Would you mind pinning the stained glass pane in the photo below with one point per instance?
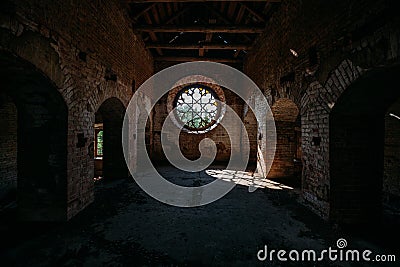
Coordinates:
(197, 107)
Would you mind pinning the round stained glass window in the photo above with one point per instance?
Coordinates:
(197, 107)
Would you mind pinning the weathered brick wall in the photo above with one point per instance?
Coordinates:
(334, 44)
(8, 148)
(285, 114)
(87, 48)
(391, 178)
(283, 165)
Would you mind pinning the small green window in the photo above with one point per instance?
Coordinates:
(99, 143)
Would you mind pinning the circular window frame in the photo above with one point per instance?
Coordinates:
(210, 91)
(214, 89)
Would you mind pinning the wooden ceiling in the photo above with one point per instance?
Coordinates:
(192, 30)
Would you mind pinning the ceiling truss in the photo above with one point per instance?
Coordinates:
(206, 30)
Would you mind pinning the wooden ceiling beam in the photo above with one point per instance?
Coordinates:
(199, 46)
(177, 15)
(240, 14)
(239, 18)
(169, 9)
(225, 20)
(192, 59)
(153, 36)
(197, 1)
(141, 13)
(207, 29)
(162, 10)
(252, 12)
(208, 39)
(155, 15)
(231, 9)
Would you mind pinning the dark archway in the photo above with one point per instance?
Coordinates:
(37, 132)
(109, 121)
(357, 133)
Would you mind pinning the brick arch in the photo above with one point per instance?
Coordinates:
(52, 55)
(104, 92)
(326, 95)
(356, 146)
(41, 146)
(315, 107)
(339, 80)
(41, 51)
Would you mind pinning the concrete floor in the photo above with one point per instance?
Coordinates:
(126, 227)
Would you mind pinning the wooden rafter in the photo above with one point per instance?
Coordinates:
(141, 13)
(199, 46)
(231, 9)
(204, 29)
(153, 36)
(234, 22)
(169, 9)
(223, 5)
(252, 12)
(240, 14)
(225, 20)
(197, 1)
(155, 15)
(178, 14)
(239, 18)
(208, 39)
(191, 59)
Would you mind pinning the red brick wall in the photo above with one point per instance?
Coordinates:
(89, 51)
(285, 114)
(336, 43)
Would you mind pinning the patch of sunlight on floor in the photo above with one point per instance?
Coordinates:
(247, 179)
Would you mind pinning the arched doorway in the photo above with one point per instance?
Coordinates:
(357, 140)
(108, 153)
(34, 159)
